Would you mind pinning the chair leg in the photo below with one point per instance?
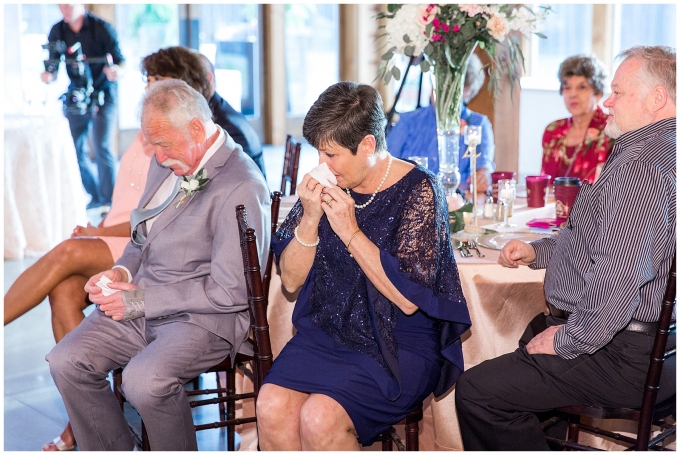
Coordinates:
(117, 384)
(222, 406)
(231, 409)
(412, 436)
(572, 432)
(145, 439)
(386, 441)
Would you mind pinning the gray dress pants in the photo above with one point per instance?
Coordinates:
(158, 361)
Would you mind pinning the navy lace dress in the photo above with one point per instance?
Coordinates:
(354, 345)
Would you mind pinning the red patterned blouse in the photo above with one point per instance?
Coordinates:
(585, 160)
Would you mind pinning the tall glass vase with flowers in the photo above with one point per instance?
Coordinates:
(446, 35)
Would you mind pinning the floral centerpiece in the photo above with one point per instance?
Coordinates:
(446, 35)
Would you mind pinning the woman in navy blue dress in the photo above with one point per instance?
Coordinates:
(381, 310)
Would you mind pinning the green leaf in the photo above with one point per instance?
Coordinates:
(396, 73)
(389, 54)
(387, 78)
(540, 35)
(456, 219)
(406, 38)
(408, 50)
(429, 49)
(482, 45)
(424, 66)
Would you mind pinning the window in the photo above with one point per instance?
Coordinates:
(569, 31)
(657, 28)
(142, 30)
(408, 100)
(24, 91)
(311, 47)
(228, 36)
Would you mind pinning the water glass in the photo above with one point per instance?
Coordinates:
(506, 195)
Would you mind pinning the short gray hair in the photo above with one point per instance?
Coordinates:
(658, 66)
(177, 101)
(474, 78)
(344, 114)
(584, 65)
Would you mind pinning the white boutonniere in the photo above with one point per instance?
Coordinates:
(193, 184)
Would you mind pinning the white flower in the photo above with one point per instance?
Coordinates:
(498, 26)
(193, 185)
(185, 186)
(522, 20)
(407, 21)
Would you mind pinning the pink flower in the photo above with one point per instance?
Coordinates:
(498, 26)
(473, 10)
(426, 13)
(436, 23)
(446, 28)
(592, 133)
(456, 28)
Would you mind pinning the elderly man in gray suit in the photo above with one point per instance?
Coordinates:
(176, 302)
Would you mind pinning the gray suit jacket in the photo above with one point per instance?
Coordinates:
(190, 265)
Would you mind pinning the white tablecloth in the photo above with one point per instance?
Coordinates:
(44, 196)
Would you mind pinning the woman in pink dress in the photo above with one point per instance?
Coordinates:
(61, 274)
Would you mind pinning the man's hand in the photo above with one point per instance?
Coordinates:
(112, 72)
(116, 275)
(114, 305)
(516, 253)
(47, 77)
(483, 180)
(543, 342)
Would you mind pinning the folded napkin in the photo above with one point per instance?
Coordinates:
(543, 223)
(323, 175)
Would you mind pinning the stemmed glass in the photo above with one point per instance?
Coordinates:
(506, 195)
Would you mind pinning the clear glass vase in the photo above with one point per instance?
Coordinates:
(448, 80)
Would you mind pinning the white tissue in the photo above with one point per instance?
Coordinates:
(103, 285)
(323, 175)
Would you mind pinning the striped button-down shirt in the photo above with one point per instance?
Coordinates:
(610, 264)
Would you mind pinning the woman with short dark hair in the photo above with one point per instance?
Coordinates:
(577, 146)
(380, 309)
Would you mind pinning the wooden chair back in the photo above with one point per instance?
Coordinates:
(266, 279)
(291, 162)
(256, 298)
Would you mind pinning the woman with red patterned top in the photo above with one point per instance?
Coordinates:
(577, 146)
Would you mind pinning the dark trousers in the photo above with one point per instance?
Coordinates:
(497, 399)
(103, 127)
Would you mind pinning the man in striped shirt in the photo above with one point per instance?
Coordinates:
(605, 279)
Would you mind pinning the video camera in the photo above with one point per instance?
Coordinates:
(79, 99)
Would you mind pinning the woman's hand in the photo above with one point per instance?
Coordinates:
(309, 192)
(83, 231)
(339, 208)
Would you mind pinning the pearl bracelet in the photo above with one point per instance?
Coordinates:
(308, 245)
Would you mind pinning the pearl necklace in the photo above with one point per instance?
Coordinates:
(389, 165)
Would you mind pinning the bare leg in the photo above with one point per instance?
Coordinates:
(325, 425)
(278, 417)
(80, 256)
(67, 301)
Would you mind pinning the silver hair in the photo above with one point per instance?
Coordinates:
(474, 78)
(177, 101)
(658, 66)
(584, 65)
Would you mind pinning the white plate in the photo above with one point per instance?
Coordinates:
(497, 241)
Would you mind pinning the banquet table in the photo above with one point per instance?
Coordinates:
(501, 303)
(44, 198)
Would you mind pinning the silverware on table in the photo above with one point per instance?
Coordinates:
(465, 250)
(474, 246)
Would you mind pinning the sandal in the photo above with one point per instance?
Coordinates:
(59, 444)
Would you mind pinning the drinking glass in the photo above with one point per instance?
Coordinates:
(506, 195)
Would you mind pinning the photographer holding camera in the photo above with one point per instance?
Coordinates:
(92, 92)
